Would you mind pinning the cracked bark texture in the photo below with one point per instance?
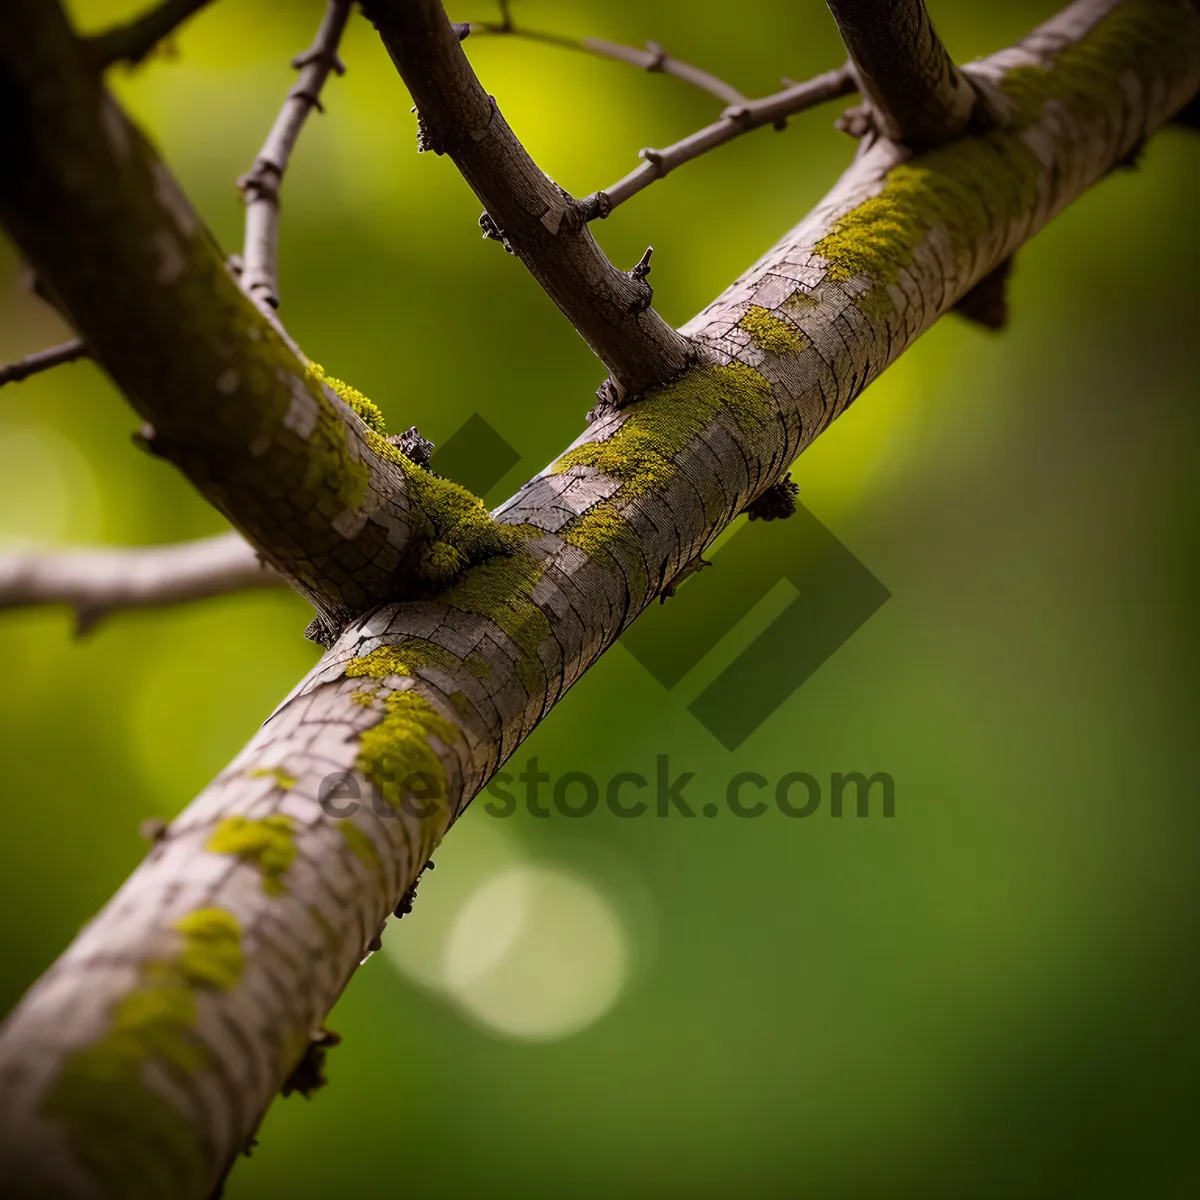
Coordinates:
(129, 262)
(440, 691)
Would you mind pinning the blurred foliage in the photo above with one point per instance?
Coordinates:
(990, 995)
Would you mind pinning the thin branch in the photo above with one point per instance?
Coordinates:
(916, 93)
(133, 41)
(260, 186)
(43, 360)
(540, 222)
(735, 120)
(96, 582)
(653, 58)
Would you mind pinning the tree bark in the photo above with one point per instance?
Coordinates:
(144, 1058)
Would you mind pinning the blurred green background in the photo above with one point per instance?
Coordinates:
(990, 995)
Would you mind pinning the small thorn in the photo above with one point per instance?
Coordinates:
(462, 28)
(152, 830)
(642, 269)
(659, 56)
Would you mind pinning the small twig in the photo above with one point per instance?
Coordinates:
(132, 41)
(653, 58)
(260, 185)
(96, 582)
(735, 120)
(545, 226)
(43, 360)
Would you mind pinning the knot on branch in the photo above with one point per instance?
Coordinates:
(658, 56)
(308, 96)
(492, 232)
(688, 569)
(413, 446)
(856, 122)
(597, 206)
(262, 181)
(409, 898)
(321, 55)
(308, 1075)
(775, 504)
(645, 293)
(656, 158)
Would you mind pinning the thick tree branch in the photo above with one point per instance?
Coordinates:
(43, 360)
(94, 582)
(107, 228)
(258, 902)
(541, 223)
(133, 41)
(916, 93)
(260, 186)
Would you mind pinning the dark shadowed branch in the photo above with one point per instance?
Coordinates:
(915, 92)
(535, 218)
(260, 186)
(133, 41)
(43, 360)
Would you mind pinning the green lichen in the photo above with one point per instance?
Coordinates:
(359, 844)
(278, 774)
(501, 590)
(368, 410)
(397, 749)
(641, 453)
(970, 187)
(405, 657)
(771, 333)
(267, 843)
(131, 1140)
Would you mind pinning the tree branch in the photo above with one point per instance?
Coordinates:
(107, 228)
(257, 904)
(653, 58)
(97, 581)
(540, 222)
(43, 360)
(916, 93)
(133, 41)
(260, 186)
(736, 120)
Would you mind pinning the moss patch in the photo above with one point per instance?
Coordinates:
(267, 843)
(394, 752)
(968, 187)
(278, 774)
(131, 1140)
(771, 333)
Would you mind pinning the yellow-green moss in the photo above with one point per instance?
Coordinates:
(359, 844)
(657, 428)
(366, 409)
(278, 774)
(403, 658)
(267, 843)
(771, 333)
(398, 747)
(969, 187)
(131, 1140)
